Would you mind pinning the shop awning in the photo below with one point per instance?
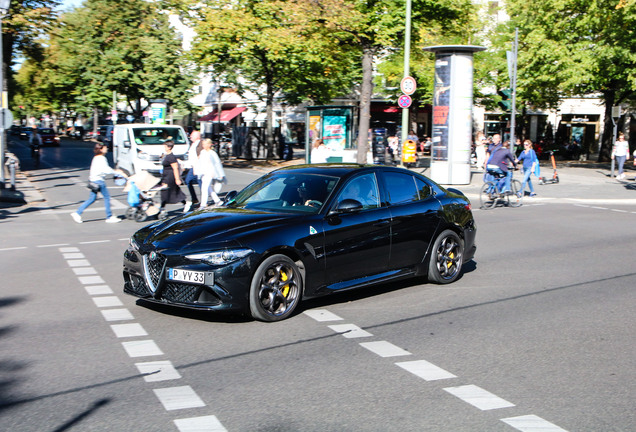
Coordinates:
(226, 115)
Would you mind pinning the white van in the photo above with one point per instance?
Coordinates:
(138, 147)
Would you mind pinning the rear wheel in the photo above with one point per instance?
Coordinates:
(276, 289)
(488, 195)
(447, 258)
(131, 213)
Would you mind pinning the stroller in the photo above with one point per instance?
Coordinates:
(142, 188)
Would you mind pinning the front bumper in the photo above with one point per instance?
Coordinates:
(226, 288)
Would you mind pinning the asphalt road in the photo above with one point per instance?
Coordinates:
(537, 335)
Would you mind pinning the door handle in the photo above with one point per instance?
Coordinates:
(382, 223)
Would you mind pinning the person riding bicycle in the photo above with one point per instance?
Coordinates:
(35, 142)
(498, 164)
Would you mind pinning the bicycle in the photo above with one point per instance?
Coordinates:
(491, 192)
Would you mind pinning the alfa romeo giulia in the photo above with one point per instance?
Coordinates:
(302, 232)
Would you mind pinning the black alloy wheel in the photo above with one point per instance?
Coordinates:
(276, 289)
(447, 258)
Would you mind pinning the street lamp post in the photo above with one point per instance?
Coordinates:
(4, 9)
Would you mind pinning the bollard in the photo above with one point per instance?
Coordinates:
(12, 172)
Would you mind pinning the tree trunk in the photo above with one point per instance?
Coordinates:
(365, 104)
(604, 153)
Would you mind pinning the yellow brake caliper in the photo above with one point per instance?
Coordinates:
(284, 278)
(450, 263)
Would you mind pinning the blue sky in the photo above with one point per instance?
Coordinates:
(67, 4)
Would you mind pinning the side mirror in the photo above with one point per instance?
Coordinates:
(127, 144)
(229, 196)
(348, 206)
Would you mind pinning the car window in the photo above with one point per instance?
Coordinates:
(46, 131)
(364, 189)
(158, 135)
(423, 188)
(401, 188)
(289, 192)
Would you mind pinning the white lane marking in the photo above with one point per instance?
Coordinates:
(117, 314)
(619, 210)
(98, 289)
(599, 208)
(108, 301)
(94, 242)
(350, 331)
(13, 248)
(91, 280)
(115, 204)
(142, 348)
(532, 423)
(200, 424)
(69, 249)
(73, 255)
(174, 398)
(384, 349)
(128, 330)
(478, 397)
(158, 371)
(78, 262)
(83, 271)
(425, 370)
(53, 245)
(321, 315)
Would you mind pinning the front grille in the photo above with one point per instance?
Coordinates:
(181, 293)
(154, 270)
(136, 284)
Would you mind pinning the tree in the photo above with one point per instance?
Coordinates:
(373, 28)
(22, 28)
(107, 46)
(259, 46)
(575, 47)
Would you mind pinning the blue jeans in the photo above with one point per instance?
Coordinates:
(527, 172)
(620, 160)
(502, 183)
(93, 196)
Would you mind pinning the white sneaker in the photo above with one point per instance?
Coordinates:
(113, 219)
(76, 217)
(187, 206)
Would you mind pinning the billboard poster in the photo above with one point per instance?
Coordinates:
(441, 108)
(334, 131)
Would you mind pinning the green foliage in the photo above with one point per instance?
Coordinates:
(110, 46)
(576, 47)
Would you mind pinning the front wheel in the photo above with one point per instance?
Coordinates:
(276, 289)
(488, 195)
(447, 258)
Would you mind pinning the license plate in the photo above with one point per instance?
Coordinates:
(189, 276)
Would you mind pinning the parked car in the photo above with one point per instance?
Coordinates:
(301, 232)
(49, 137)
(15, 130)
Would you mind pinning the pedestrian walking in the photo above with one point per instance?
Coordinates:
(192, 177)
(170, 180)
(212, 174)
(620, 153)
(97, 183)
(480, 150)
(530, 161)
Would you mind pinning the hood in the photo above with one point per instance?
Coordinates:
(203, 228)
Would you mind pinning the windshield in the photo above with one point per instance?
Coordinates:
(154, 135)
(46, 131)
(287, 192)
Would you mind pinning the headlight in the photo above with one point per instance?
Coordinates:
(132, 244)
(220, 257)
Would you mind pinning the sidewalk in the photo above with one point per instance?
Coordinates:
(584, 182)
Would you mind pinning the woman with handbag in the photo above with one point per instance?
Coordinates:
(212, 174)
(170, 181)
(97, 183)
(530, 163)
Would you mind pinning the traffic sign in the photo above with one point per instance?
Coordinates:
(408, 85)
(405, 101)
(6, 118)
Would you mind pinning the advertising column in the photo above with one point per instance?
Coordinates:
(452, 113)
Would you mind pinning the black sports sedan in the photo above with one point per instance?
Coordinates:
(301, 232)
